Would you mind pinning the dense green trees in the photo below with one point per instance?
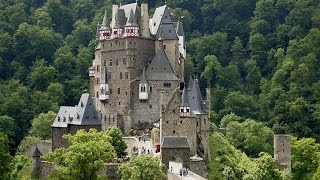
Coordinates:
(85, 155)
(142, 168)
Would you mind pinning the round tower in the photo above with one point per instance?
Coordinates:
(282, 151)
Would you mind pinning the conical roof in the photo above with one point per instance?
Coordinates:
(36, 152)
(184, 99)
(180, 30)
(105, 23)
(132, 20)
(117, 24)
(143, 79)
(195, 98)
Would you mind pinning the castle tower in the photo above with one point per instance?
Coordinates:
(36, 163)
(131, 27)
(282, 151)
(105, 30)
(184, 106)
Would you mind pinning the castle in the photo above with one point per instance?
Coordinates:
(137, 77)
(137, 82)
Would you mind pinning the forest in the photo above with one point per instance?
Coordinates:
(260, 58)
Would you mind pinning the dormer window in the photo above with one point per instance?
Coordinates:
(59, 119)
(143, 89)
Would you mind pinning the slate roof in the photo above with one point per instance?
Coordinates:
(156, 19)
(128, 7)
(179, 28)
(195, 97)
(164, 25)
(167, 31)
(82, 114)
(36, 152)
(160, 68)
(105, 23)
(175, 142)
(132, 20)
(184, 99)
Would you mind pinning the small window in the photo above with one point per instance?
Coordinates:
(117, 63)
(188, 110)
(165, 17)
(169, 30)
(124, 60)
(180, 122)
(150, 89)
(119, 103)
(97, 94)
(154, 24)
(197, 123)
(113, 119)
(98, 68)
(174, 132)
(167, 122)
(143, 88)
(164, 46)
(167, 85)
(98, 80)
(105, 118)
(110, 62)
(204, 121)
(126, 75)
(58, 118)
(120, 75)
(110, 44)
(115, 32)
(105, 62)
(110, 90)
(118, 90)
(181, 110)
(109, 75)
(150, 106)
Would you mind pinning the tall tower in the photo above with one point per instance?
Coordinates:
(130, 68)
(282, 151)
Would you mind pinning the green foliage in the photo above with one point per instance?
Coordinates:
(41, 125)
(7, 126)
(26, 143)
(250, 136)
(20, 167)
(85, 155)
(117, 141)
(305, 158)
(4, 156)
(142, 168)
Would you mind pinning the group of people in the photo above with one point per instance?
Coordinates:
(183, 172)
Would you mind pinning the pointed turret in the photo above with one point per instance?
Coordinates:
(36, 163)
(182, 43)
(105, 30)
(195, 97)
(104, 85)
(185, 105)
(117, 30)
(143, 86)
(132, 27)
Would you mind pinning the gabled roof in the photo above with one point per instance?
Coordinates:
(160, 68)
(175, 142)
(156, 19)
(184, 98)
(104, 76)
(166, 31)
(83, 114)
(132, 20)
(65, 114)
(195, 97)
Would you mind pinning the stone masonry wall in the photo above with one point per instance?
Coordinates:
(174, 155)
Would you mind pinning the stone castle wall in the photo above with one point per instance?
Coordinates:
(282, 151)
(175, 155)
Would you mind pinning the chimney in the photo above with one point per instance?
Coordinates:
(145, 32)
